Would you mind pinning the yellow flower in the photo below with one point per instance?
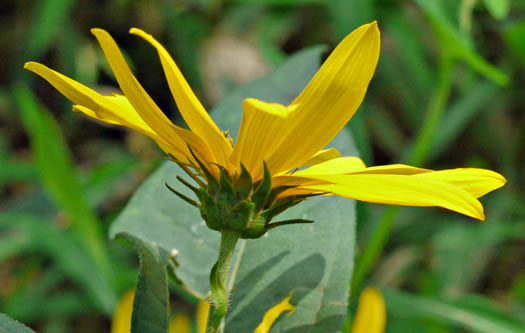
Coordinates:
(284, 138)
(371, 312)
(179, 323)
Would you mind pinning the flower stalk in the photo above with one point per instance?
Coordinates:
(219, 278)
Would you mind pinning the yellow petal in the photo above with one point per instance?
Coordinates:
(110, 109)
(73, 90)
(340, 165)
(261, 127)
(371, 312)
(391, 169)
(322, 156)
(402, 190)
(121, 322)
(145, 106)
(477, 182)
(117, 110)
(294, 180)
(329, 100)
(189, 106)
(180, 323)
(271, 315)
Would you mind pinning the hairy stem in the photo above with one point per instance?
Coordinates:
(218, 280)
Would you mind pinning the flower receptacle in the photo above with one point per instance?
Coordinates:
(234, 203)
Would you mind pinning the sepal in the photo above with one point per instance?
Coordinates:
(234, 203)
(263, 190)
(182, 196)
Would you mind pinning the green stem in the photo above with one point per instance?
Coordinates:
(218, 280)
(418, 155)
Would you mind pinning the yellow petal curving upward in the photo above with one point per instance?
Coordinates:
(145, 106)
(339, 165)
(329, 100)
(261, 126)
(322, 156)
(110, 109)
(190, 107)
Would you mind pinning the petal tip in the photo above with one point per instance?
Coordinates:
(374, 28)
(98, 31)
(137, 31)
(480, 215)
(29, 64)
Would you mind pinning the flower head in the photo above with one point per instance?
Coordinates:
(278, 158)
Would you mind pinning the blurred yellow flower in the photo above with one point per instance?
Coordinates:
(121, 322)
(202, 315)
(371, 312)
(179, 323)
(284, 137)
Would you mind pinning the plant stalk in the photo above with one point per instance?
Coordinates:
(218, 280)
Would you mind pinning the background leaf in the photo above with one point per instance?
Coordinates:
(58, 176)
(28, 233)
(499, 9)
(150, 306)
(9, 325)
(474, 313)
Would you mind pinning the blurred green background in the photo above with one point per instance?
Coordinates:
(448, 92)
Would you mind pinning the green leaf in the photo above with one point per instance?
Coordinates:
(60, 180)
(313, 262)
(474, 313)
(458, 45)
(151, 305)
(464, 112)
(274, 28)
(499, 9)
(281, 2)
(39, 301)
(349, 15)
(9, 325)
(513, 34)
(27, 234)
(50, 16)
(465, 243)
